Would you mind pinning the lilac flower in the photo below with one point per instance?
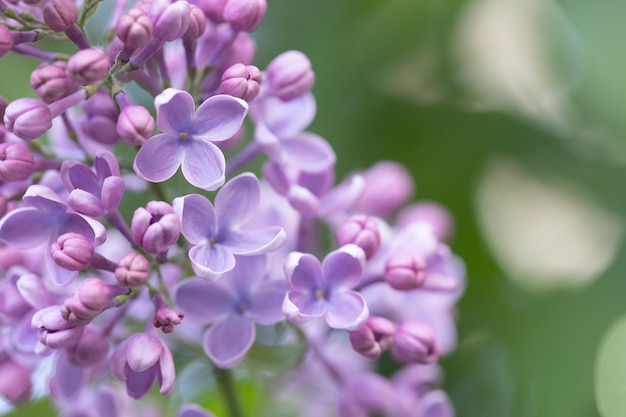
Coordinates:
(232, 305)
(187, 137)
(140, 360)
(326, 289)
(218, 233)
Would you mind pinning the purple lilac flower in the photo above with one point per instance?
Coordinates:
(232, 305)
(187, 138)
(325, 290)
(219, 232)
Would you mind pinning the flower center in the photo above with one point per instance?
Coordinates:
(320, 294)
(183, 135)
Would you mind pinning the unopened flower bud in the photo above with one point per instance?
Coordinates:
(51, 82)
(16, 162)
(388, 186)
(88, 66)
(15, 384)
(430, 212)
(373, 337)
(213, 9)
(241, 81)
(90, 349)
(405, 272)
(362, 231)
(133, 270)
(55, 331)
(72, 251)
(134, 28)
(156, 227)
(6, 40)
(414, 342)
(135, 125)
(27, 118)
(172, 22)
(164, 317)
(245, 15)
(60, 15)
(197, 23)
(289, 75)
(101, 123)
(92, 298)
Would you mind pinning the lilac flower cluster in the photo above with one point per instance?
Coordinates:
(217, 262)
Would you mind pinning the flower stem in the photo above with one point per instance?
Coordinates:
(224, 378)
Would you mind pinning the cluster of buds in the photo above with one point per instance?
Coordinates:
(114, 262)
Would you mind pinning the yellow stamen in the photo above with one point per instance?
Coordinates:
(183, 135)
(319, 294)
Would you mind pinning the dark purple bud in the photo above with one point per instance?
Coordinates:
(60, 15)
(27, 118)
(245, 15)
(133, 270)
(135, 125)
(362, 231)
(88, 66)
(172, 22)
(289, 75)
(15, 384)
(6, 40)
(91, 349)
(134, 28)
(51, 82)
(415, 342)
(16, 162)
(405, 272)
(54, 331)
(72, 251)
(101, 123)
(92, 297)
(241, 81)
(197, 23)
(164, 317)
(373, 337)
(213, 9)
(156, 227)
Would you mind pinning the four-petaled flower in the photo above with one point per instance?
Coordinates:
(187, 136)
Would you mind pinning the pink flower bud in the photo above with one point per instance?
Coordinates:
(415, 342)
(101, 122)
(241, 81)
(88, 66)
(90, 349)
(92, 298)
(72, 251)
(135, 125)
(172, 22)
(16, 162)
(6, 40)
(437, 216)
(213, 9)
(197, 23)
(15, 384)
(134, 28)
(388, 186)
(133, 270)
(362, 231)
(156, 227)
(405, 272)
(54, 330)
(290, 75)
(373, 337)
(60, 15)
(27, 118)
(164, 317)
(51, 82)
(245, 15)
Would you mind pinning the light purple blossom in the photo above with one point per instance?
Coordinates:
(325, 290)
(187, 138)
(232, 305)
(219, 232)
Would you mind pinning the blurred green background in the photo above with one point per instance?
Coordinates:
(511, 114)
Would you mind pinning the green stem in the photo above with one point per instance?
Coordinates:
(226, 385)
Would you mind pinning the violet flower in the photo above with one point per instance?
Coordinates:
(218, 233)
(325, 290)
(187, 138)
(232, 305)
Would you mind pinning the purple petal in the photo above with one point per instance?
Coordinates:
(118, 361)
(112, 192)
(27, 227)
(253, 242)
(203, 301)
(197, 218)
(203, 165)
(43, 198)
(238, 201)
(166, 371)
(346, 310)
(436, 404)
(139, 383)
(343, 267)
(59, 275)
(266, 303)
(304, 272)
(80, 176)
(158, 158)
(301, 308)
(211, 261)
(68, 379)
(219, 118)
(249, 271)
(286, 118)
(75, 223)
(106, 164)
(227, 342)
(309, 152)
(175, 110)
(85, 202)
(193, 410)
(142, 351)
(343, 196)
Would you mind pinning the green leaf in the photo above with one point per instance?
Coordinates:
(611, 371)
